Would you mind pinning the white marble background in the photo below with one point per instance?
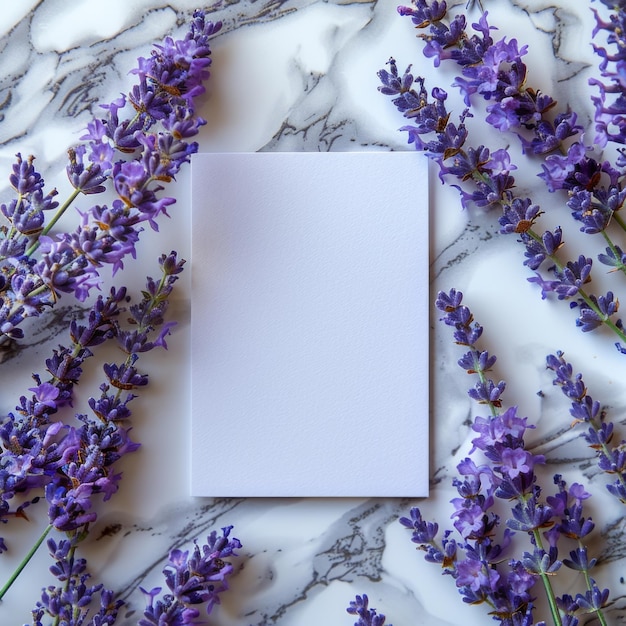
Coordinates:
(301, 75)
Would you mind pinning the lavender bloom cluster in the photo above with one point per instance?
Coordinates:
(600, 432)
(500, 561)
(75, 465)
(138, 145)
(610, 104)
(35, 447)
(481, 551)
(367, 616)
(495, 71)
(140, 142)
(71, 602)
(192, 580)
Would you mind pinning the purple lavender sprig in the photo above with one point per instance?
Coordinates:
(489, 173)
(71, 602)
(34, 447)
(599, 432)
(367, 616)
(496, 72)
(567, 505)
(77, 465)
(610, 104)
(140, 143)
(103, 439)
(475, 561)
(480, 561)
(192, 580)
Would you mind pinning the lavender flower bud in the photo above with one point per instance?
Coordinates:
(367, 616)
(87, 180)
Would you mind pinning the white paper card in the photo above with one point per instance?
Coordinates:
(310, 324)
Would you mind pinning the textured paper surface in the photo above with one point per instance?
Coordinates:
(309, 324)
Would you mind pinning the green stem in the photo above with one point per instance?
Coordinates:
(598, 612)
(619, 220)
(25, 561)
(547, 585)
(53, 221)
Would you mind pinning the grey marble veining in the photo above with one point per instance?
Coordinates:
(294, 75)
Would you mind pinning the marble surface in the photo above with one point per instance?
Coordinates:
(292, 75)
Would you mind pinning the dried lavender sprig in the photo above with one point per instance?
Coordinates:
(496, 72)
(103, 439)
(562, 514)
(86, 468)
(155, 135)
(467, 332)
(477, 561)
(610, 117)
(71, 602)
(490, 172)
(568, 507)
(193, 580)
(33, 447)
(367, 616)
(510, 476)
(600, 432)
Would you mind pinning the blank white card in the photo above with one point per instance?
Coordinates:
(310, 324)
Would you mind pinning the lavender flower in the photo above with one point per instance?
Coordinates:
(90, 470)
(476, 552)
(71, 603)
(141, 142)
(610, 104)
(492, 69)
(35, 448)
(599, 432)
(134, 148)
(487, 173)
(367, 616)
(192, 580)
(480, 560)
(77, 465)
(500, 77)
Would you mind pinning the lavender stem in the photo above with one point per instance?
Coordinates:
(25, 561)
